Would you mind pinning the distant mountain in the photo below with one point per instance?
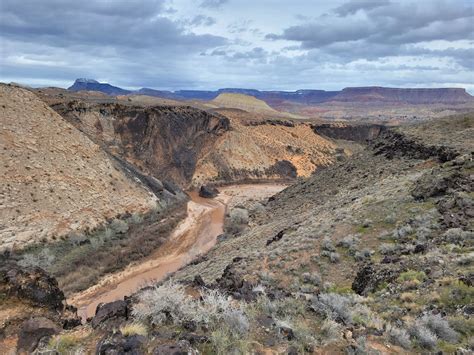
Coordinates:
(409, 96)
(94, 85)
(157, 93)
(197, 94)
(371, 94)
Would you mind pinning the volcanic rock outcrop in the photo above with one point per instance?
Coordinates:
(165, 141)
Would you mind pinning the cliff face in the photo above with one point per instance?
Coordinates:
(166, 141)
(411, 96)
(361, 133)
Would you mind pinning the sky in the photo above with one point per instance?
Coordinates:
(260, 44)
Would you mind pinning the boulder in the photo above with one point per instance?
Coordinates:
(368, 278)
(32, 331)
(118, 344)
(32, 284)
(207, 191)
(108, 311)
(182, 347)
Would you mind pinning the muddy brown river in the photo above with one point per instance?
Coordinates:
(194, 236)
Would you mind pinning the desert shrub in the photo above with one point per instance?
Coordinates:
(348, 242)
(388, 248)
(440, 327)
(463, 326)
(459, 236)
(136, 218)
(327, 245)
(334, 306)
(44, 259)
(457, 294)
(330, 332)
(403, 232)
(334, 257)
(398, 336)
(225, 342)
(119, 226)
(167, 302)
(412, 275)
(408, 297)
(424, 337)
(312, 278)
(237, 221)
(363, 254)
(63, 344)
(134, 329)
(360, 347)
(466, 260)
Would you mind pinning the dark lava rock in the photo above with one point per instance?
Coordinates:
(198, 281)
(117, 344)
(283, 168)
(369, 278)
(420, 248)
(70, 323)
(32, 284)
(438, 183)
(467, 279)
(108, 311)
(33, 330)
(207, 191)
(457, 211)
(232, 282)
(286, 332)
(392, 144)
(182, 347)
(194, 338)
(468, 310)
(276, 238)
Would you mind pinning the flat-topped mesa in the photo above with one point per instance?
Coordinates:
(93, 85)
(410, 96)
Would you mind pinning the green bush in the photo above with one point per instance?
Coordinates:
(412, 275)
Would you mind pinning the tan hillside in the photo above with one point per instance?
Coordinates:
(54, 179)
(268, 150)
(243, 102)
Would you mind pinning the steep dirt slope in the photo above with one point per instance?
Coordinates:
(247, 103)
(54, 179)
(254, 150)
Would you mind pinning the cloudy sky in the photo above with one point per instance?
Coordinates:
(263, 44)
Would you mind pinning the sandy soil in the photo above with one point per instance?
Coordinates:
(194, 236)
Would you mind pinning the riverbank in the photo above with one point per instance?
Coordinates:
(193, 237)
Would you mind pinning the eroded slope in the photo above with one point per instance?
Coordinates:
(54, 179)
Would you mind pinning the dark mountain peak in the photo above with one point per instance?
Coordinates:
(86, 81)
(94, 85)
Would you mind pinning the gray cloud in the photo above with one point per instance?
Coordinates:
(213, 3)
(184, 44)
(202, 20)
(353, 6)
(377, 29)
